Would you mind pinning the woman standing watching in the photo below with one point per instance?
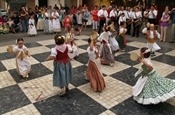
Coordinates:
(164, 23)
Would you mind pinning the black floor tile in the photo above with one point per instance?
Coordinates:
(171, 76)
(41, 57)
(2, 68)
(126, 76)
(82, 58)
(84, 46)
(125, 58)
(32, 44)
(165, 59)
(6, 55)
(164, 50)
(50, 46)
(78, 76)
(74, 103)
(12, 98)
(38, 70)
(130, 48)
(130, 107)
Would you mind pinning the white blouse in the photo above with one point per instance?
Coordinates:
(151, 33)
(92, 53)
(54, 51)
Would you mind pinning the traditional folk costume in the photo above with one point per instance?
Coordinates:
(40, 23)
(32, 28)
(62, 74)
(106, 55)
(48, 23)
(22, 63)
(1, 28)
(151, 88)
(5, 28)
(151, 36)
(71, 43)
(93, 73)
(67, 22)
(79, 17)
(121, 38)
(56, 22)
(113, 42)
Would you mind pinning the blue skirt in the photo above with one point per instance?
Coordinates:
(62, 74)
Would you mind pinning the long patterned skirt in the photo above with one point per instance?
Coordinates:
(156, 89)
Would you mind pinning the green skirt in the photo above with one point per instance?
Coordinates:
(157, 89)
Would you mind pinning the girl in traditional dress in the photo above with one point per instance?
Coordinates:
(47, 22)
(93, 74)
(62, 74)
(22, 64)
(151, 88)
(71, 42)
(121, 38)
(56, 21)
(67, 22)
(112, 35)
(40, 23)
(151, 36)
(106, 55)
(32, 30)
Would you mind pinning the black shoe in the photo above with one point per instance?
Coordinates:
(67, 89)
(132, 36)
(172, 42)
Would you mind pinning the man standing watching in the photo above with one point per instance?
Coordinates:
(173, 25)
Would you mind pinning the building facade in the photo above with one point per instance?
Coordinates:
(32, 3)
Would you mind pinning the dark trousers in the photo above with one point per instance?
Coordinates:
(152, 21)
(136, 30)
(101, 24)
(128, 29)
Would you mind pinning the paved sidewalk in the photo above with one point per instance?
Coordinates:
(19, 97)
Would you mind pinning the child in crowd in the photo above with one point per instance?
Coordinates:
(62, 74)
(32, 29)
(121, 38)
(67, 22)
(10, 23)
(22, 63)
(70, 40)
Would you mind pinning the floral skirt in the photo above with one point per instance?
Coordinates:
(157, 89)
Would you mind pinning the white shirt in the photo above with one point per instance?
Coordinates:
(128, 14)
(150, 15)
(113, 13)
(121, 19)
(92, 53)
(102, 12)
(151, 33)
(120, 12)
(136, 15)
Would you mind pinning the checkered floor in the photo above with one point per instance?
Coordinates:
(21, 97)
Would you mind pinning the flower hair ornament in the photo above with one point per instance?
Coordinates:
(146, 51)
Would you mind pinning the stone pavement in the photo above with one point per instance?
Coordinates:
(20, 97)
